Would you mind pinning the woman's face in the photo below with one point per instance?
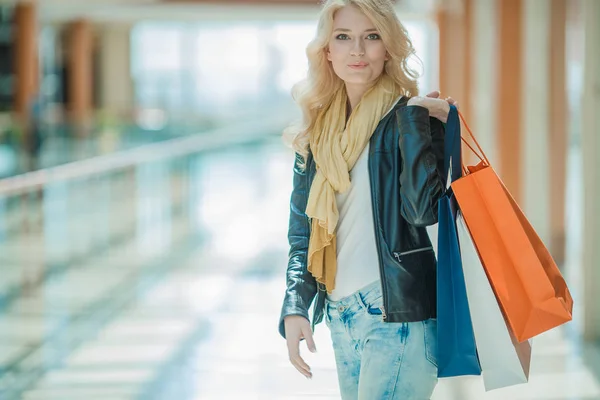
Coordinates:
(356, 50)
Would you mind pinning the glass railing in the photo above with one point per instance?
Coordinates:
(100, 230)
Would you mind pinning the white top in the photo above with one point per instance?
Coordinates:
(357, 259)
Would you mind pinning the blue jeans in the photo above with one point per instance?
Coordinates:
(379, 360)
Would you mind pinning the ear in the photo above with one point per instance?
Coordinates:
(328, 54)
(387, 56)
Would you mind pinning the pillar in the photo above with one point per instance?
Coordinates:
(482, 98)
(80, 74)
(453, 18)
(557, 119)
(591, 169)
(26, 60)
(533, 136)
(116, 84)
(509, 89)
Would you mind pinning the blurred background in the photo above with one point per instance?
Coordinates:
(144, 186)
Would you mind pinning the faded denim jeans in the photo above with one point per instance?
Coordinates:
(378, 360)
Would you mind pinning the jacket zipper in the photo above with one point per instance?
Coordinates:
(398, 255)
(375, 219)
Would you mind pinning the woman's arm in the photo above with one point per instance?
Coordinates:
(301, 285)
(421, 184)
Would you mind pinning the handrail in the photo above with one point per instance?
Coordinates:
(236, 134)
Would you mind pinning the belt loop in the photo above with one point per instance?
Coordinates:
(360, 300)
(321, 287)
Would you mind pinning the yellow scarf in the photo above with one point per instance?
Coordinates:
(335, 151)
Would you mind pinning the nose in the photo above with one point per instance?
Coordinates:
(358, 49)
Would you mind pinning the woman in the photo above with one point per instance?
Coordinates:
(366, 183)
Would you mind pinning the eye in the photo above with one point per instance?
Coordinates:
(374, 36)
(342, 36)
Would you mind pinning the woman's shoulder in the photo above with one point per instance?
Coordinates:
(398, 104)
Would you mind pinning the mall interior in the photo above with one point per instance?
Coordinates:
(145, 187)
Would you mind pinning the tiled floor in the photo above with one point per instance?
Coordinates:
(199, 320)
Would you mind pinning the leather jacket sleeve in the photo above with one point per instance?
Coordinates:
(301, 285)
(421, 184)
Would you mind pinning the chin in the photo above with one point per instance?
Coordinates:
(354, 80)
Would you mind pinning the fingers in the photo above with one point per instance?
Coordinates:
(451, 101)
(293, 344)
(296, 360)
(297, 328)
(436, 94)
(301, 366)
(310, 342)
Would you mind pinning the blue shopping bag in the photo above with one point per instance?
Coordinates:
(457, 352)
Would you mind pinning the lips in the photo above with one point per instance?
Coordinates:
(360, 64)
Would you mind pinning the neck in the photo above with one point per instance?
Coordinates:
(355, 93)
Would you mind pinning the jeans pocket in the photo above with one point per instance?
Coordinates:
(430, 328)
(374, 305)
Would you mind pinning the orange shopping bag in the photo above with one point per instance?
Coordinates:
(529, 287)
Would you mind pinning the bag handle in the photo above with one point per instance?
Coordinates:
(453, 163)
(452, 150)
(481, 155)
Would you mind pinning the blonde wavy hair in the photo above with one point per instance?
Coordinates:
(319, 87)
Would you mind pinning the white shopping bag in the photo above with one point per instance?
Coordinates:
(504, 361)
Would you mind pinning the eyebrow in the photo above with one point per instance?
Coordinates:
(349, 30)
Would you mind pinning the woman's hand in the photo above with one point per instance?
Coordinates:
(296, 328)
(436, 95)
(437, 107)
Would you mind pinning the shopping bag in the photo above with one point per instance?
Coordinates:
(504, 361)
(531, 291)
(457, 353)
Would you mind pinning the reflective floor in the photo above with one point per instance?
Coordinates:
(188, 308)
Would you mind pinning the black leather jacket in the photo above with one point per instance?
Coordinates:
(405, 164)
